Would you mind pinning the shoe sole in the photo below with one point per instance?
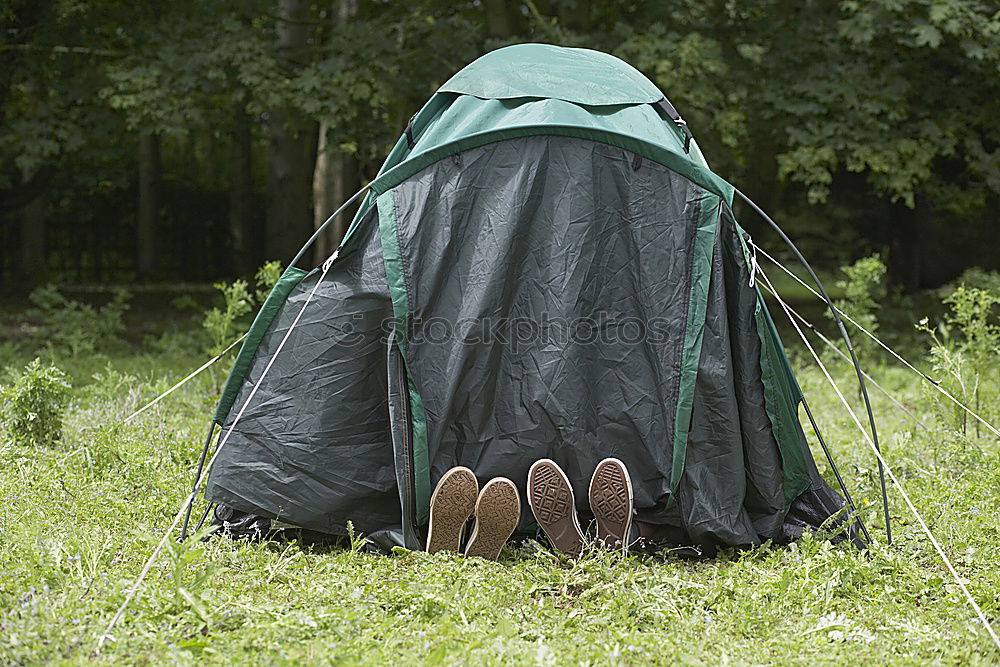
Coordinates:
(611, 502)
(551, 499)
(452, 503)
(498, 511)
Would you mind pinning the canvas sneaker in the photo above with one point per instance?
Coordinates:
(452, 503)
(551, 499)
(611, 502)
(498, 511)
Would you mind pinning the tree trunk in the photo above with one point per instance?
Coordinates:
(149, 205)
(326, 178)
(292, 151)
(335, 179)
(243, 246)
(33, 266)
(904, 247)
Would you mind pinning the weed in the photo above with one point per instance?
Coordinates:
(34, 404)
(864, 289)
(223, 324)
(266, 277)
(964, 350)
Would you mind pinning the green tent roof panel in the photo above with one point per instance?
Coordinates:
(581, 76)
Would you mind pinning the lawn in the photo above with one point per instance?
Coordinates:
(81, 517)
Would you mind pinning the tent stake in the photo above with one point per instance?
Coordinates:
(850, 348)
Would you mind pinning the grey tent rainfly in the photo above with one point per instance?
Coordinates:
(544, 267)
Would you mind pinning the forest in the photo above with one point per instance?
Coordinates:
(186, 141)
(161, 162)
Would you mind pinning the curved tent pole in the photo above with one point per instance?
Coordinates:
(333, 216)
(836, 471)
(295, 260)
(197, 478)
(847, 339)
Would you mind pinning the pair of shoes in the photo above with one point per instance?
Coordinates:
(456, 498)
(497, 509)
(551, 499)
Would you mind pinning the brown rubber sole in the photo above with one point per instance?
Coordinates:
(611, 502)
(551, 499)
(498, 511)
(452, 503)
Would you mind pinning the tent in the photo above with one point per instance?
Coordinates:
(545, 266)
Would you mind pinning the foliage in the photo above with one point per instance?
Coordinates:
(978, 278)
(266, 278)
(965, 347)
(866, 103)
(220, 323)
(864, 289)
(239, 300)
(78, 328)
(34, 403)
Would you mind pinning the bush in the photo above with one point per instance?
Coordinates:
(864, 289)
(78, 327)
(220, 322)
(266, 277)
(984, 280)
(966, 345)
(34, 403)
(223, 324)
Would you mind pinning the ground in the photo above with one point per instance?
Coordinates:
(82, 515)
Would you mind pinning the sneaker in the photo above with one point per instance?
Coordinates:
(452, 503)
(551, 499)
(498, 512)
(611, 503)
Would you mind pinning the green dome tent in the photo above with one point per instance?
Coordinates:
(545, 266)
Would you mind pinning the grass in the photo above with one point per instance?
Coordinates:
(80, 518)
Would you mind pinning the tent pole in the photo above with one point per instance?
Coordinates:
(197, 478)
(766, 282)
(204, 515)
(847, 340)
(333, 216)
(836, 471)
(211, 430)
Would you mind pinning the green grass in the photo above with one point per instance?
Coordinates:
(80, 518)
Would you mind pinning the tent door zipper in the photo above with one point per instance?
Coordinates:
(409, 492)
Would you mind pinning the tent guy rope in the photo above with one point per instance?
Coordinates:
(932, 381)
(829, 343)
(892, 476)
(180, 384)
(843, 334)
(180, 513)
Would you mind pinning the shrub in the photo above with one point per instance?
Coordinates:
(266, 277)
(864, 287)
(966, 345)
(220, 322)
(68, 325)
(34, 403)
(223, 324)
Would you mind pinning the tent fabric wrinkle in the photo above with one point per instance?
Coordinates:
(539, 270)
